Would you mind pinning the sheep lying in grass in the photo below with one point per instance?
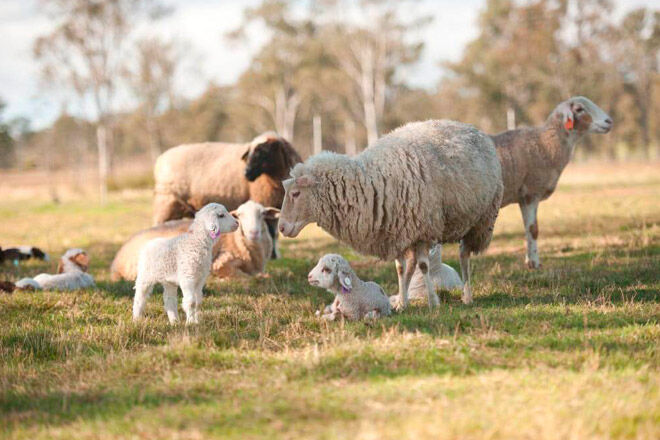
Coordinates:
(244, 252)
(533, 158)
(184, 260)
(354, 299)
(443, 277)
(426, 182)
(71, 274)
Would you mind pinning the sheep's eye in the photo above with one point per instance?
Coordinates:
(579, 110)
(221, 215)
(295, 194)
(326, 270)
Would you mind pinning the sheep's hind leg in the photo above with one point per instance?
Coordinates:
(422, 256)
(465, 273)
(142, 292)
(529, 211)
(170, 301)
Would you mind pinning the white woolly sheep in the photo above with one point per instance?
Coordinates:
(533, 158)
(354, 299)
(71, 274)
(426, 182)
(183, 261)
(189, 176)
(244, 252)
(443, 276)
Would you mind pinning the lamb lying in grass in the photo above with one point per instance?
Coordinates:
(443, 276)
(354, 298)
(184, 260)
(71, 274)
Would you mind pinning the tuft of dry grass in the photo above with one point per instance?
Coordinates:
(570, 351)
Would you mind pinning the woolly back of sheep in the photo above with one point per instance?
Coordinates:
(426, 181)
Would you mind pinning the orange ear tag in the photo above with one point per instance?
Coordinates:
(568, 124)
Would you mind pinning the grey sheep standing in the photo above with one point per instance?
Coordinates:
(426, 182)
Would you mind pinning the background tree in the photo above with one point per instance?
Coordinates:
(7, 144)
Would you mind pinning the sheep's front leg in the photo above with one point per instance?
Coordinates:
(464, 255)
(405, 269)
(422, 256)
(529, 211)
(142, 293)
(189, 302)
(171, 302)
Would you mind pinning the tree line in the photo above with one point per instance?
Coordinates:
(332, 75)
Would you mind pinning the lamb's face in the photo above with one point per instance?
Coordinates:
(266, 155)
(297, 207)
(251, 217)
(216, 220)
(73, 257)
(331, 272)
(582, 115)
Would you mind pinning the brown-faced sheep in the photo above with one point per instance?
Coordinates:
(426, 182)
(533, 158)
(189, 176)
(241, 253)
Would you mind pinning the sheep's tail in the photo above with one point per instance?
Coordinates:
(27, 284)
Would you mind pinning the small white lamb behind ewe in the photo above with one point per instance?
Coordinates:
(354, 299)
(443, 276)
(71, 274)
(184, 260)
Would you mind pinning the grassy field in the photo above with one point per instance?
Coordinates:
(570, 351)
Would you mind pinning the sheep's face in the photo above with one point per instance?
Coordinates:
(582, 115)
(252, 218)
(73, 258)
(297, 207)
(216, 220)
(266, 155)
(332, 272)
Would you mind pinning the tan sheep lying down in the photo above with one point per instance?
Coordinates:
(354, 299)
(424, 183)
(240, 253)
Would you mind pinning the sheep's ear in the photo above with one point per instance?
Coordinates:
(345, 280)
(305, 181)
(566, 114)
(81, 260)
(60, 267)
(234, 214)
(271, 213)
(245, 155)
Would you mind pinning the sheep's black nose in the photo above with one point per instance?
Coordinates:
(608, 121)
(282, 229)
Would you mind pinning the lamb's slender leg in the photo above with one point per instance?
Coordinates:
(422, 256)
(189, 302)
(142, 292)
(198, 301)
(170, 300)
(464, 255)
(529, 211)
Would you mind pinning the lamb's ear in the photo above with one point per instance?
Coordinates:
(345, 280)
(566, 114)
(60, 266)
(234, 214)
(305, 181)
(271, 213)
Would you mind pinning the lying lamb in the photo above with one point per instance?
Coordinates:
(241, 253)
(443, 277)
(184, 260)
(71, 274)
(354, 298)
(424, 183)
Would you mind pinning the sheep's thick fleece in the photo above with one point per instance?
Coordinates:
(432, 181)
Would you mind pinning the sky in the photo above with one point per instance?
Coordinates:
(202, 24)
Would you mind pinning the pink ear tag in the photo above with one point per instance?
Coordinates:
(215, 235)
(568, 124)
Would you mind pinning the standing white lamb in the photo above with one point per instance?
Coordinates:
(426, 182)
(71, 274)
(183, 261)
(354, 299)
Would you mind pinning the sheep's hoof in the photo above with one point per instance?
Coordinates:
(466, 297)
(397, 303)
(534, 265)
